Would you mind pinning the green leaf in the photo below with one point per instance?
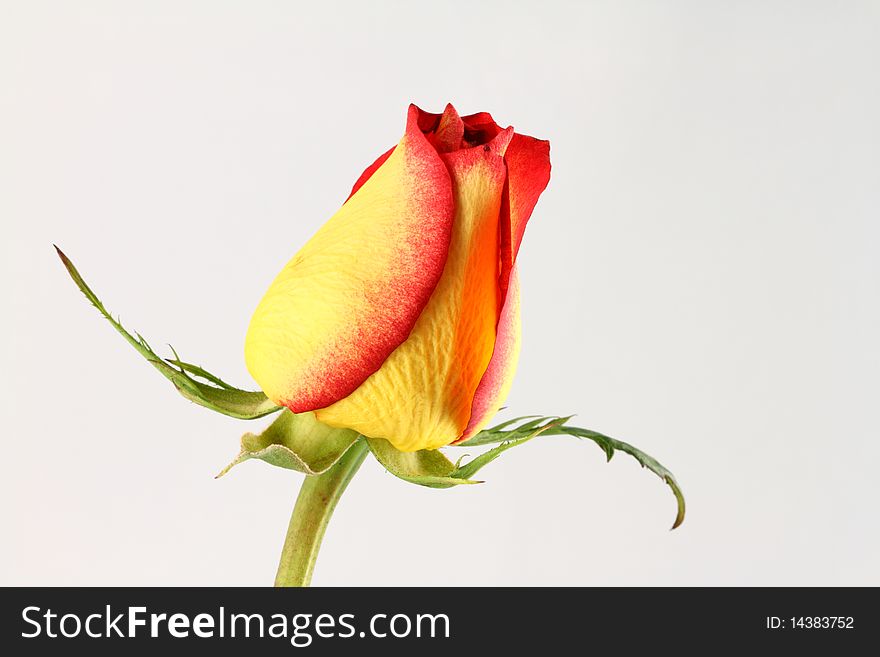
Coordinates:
(296, 442)
(550, 426)
(199, 372)
(497, 435)
(211, 392)
(427, 467)
(518, 437)
(501, 426)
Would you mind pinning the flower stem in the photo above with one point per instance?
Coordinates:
(311, 513)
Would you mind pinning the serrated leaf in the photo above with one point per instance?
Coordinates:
(198, 371)
(518, 437)
(549, 426)
(211, 393)
(499, 427)
(296, 442)
(497, 434)
(427, 467)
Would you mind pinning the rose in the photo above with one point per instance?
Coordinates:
(399, 318)
(394, 329)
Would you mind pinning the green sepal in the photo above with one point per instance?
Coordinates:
(426, 467)
(524, 430)
(550, 426)
(296, 442)
(518, 436)
(431, 468)
(211, 392)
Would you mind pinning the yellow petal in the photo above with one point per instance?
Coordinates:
(421, 397)
(354, 292)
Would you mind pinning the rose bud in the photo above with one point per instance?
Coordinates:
(400, 318)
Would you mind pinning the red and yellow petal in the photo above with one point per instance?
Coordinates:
(528, 166)
(449, 131)
(354, 292)
(528, 172)
(479, 128)
(444, 132)
(422, 396)
(370, 170)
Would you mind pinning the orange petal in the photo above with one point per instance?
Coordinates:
(496, 381)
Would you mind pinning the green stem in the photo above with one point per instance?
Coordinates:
(311, 513)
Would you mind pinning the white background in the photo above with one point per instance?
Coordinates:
(700, 279)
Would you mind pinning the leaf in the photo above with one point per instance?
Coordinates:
(198, 371)
(211, 393)
(554, 426)
(296, 442)
(518, 437)
(513, 421)
(427, 467)
(496, 435)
